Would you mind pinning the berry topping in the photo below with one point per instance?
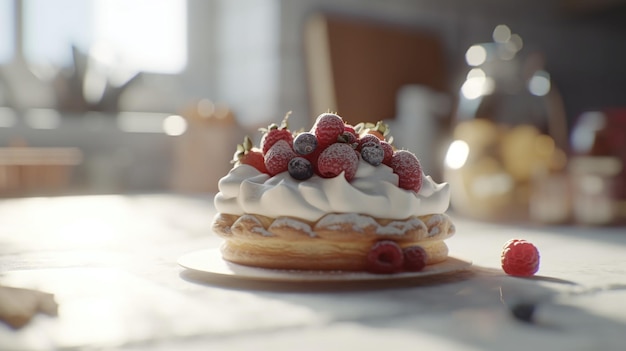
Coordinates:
(519, 258)
(338, 158)
(388, 149)
(414, 258)
(328, 127)
(349, 135)
(368, 140)
(373, 154)
(300, 168)
(331, 147)
(385, 256)
(406, 165)
(248, 155)
(305, 143)
(350, 129)
(278, 156)
(274, 133)
(380, 130)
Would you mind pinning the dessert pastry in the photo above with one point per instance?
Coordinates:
(337, 197)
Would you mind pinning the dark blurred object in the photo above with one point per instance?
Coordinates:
(89, 85)
(7, 96)
(601, 135)
(594, 185)
(356, 66)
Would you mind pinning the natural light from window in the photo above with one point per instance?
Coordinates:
(142, 35)
(6, 30)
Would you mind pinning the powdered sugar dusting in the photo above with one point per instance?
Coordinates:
(434, 231)
(258, 227)
(292, 223)
(434, 220)
(433, 223)
(262, 231)
(338, 221)
(400, 227)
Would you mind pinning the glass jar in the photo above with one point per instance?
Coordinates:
(509, 134)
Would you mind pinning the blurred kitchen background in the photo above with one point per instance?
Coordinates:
(520, 105)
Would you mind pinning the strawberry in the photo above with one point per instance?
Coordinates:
(388, 152)
(274, 133)
(337, 158)
(327, 128)
(246, 154)
(278, 156)
(519, 258)
(380, 130)
(406, 165)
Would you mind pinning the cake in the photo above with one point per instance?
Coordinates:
(336, 197)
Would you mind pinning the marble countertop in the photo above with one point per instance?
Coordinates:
(111, 263)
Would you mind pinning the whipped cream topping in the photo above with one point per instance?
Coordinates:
(374, 191)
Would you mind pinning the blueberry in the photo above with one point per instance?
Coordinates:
(300, 168)
(373, 154)
(305, 143)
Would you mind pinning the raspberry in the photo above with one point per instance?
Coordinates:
(272, 136)
(519, 258)
(305, 143)
(248, 155)
(385, 256)
(300, 168)
(274, 133)
(406, 165)
(388, 149)
(338, 158)
(278, 156)
(328, 127)
(414, 258)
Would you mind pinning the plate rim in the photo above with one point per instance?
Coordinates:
(236, 271)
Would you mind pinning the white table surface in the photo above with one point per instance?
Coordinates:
(110, 261)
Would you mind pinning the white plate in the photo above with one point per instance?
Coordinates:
(211, 263)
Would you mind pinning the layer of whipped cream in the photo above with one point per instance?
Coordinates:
(373, 191)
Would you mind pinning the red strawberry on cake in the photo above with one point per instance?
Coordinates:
(336, 197)
(246, 154)
(274, 133)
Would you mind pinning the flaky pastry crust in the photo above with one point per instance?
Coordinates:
(334, 242)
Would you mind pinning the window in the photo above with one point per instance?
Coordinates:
(145, 35)
(7, 32)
